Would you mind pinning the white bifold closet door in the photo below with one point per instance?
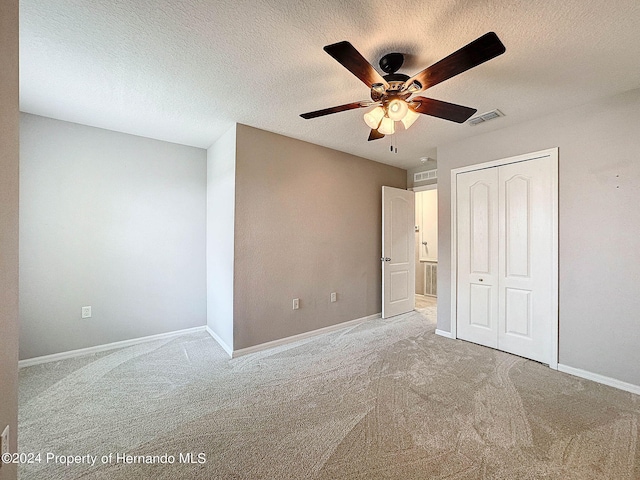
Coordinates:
(505, 257)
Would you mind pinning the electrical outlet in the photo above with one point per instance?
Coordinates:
(334, 297)
(86, 312)
(296, 303)
(4, 442)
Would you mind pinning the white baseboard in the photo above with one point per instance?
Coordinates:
(301, 336)
(612, 382)
(222, 343)
(442, 333)
(102, 348)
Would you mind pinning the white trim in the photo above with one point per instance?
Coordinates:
(553, 153)
(612, 382)
(453, 327)
(550, 152)
(555, 282)
(421, 188)
(302, 336)
(442, 333)
(222, 343)
(103, 348)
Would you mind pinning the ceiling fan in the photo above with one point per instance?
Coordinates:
(391, 93)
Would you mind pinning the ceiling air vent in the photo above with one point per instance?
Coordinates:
(485, 117)
(423, 176)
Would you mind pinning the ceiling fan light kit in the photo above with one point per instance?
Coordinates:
(390, 94)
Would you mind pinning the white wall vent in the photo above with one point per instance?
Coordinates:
(423, 176)
(485, 117)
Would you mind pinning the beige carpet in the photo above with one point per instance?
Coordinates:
(384, 400)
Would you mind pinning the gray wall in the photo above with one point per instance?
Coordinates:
(599, 224)
(221, 179)
(9, 148)
(308, 223)
(109, 220)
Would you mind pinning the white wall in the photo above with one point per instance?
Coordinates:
(599, 225)
(221, 185)
(427, 209)
(110, 220)
(9, 225)
(427, 223)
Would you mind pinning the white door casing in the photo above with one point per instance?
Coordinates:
(512, 202)
(398, 251)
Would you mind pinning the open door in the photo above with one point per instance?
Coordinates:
(398, 251)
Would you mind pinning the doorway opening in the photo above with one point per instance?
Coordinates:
(426, 246)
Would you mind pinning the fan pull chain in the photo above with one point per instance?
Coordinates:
(393, 149)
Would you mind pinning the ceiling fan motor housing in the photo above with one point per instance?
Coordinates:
(396, 83)
(391, 62)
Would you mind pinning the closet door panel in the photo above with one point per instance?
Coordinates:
(477, 227)
(525, 258)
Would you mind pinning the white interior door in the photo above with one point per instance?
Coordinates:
(398, 251)
(506, 260)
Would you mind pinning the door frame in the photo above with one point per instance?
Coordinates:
(423, 188)
(553, 154)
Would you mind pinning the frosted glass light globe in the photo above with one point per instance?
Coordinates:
(387, 126)
(409, 118)
(372, 118)
(397, 109)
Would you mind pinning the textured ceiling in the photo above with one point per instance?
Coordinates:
(185, 70)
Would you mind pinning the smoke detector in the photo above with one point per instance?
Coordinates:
(424, 160)
(485, 117)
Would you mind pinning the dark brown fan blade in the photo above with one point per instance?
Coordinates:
(350, 58)
(328, 111)
(479, 51)
(440, 109)
(375, 134)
